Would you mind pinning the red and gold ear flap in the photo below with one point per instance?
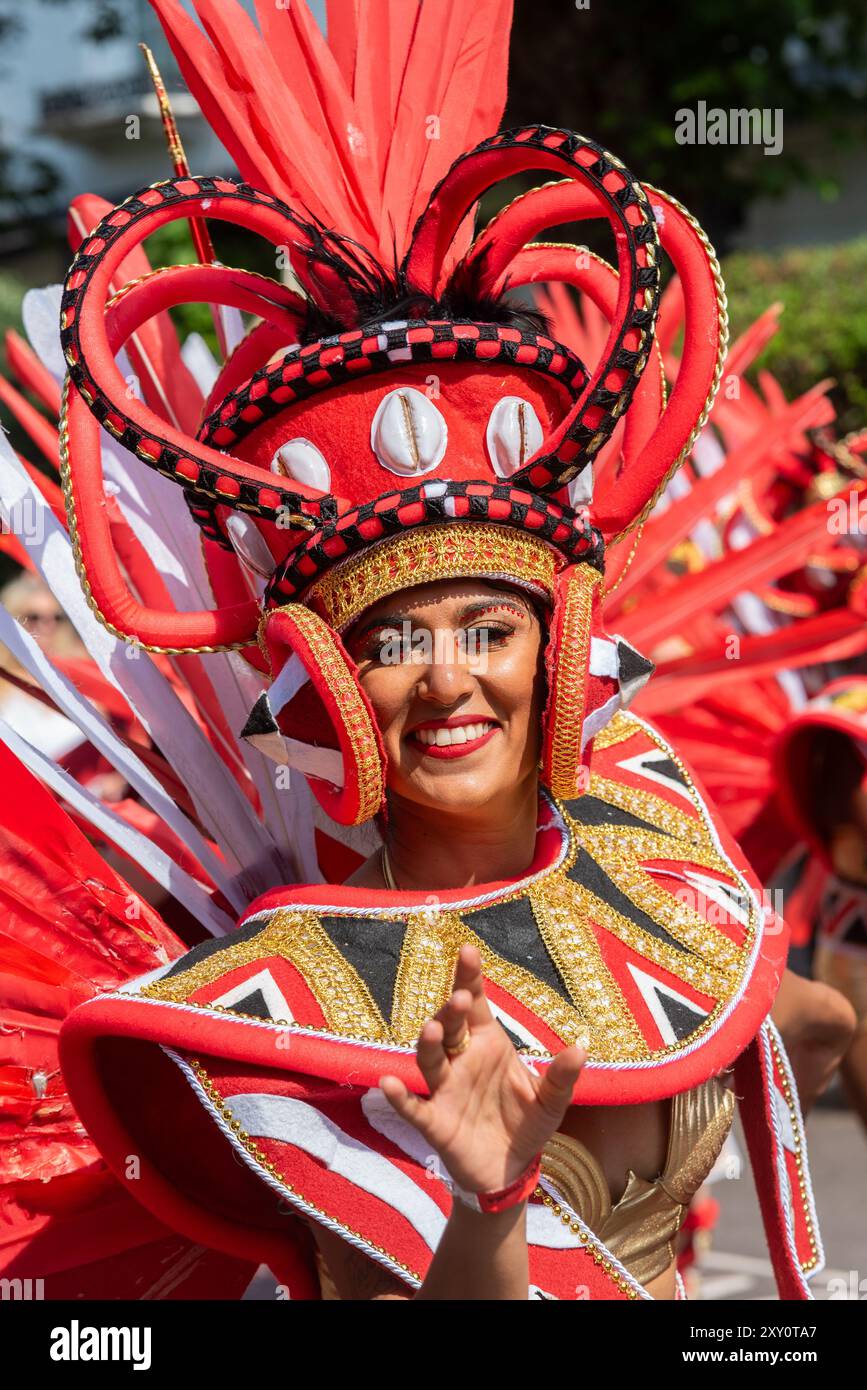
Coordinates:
(601, 178)
(316, 718)
(654, 450)
(591, 676)
(95, 326)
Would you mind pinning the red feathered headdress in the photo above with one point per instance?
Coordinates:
(400, 417)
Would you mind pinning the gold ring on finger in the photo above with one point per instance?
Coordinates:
(460, 1046)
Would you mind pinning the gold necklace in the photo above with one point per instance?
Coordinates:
(386, 869)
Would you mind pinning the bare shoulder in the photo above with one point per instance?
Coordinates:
(354, 1275)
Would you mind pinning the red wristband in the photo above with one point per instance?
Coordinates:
(517, 1191)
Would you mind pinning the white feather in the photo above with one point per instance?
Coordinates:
(251, 855)
(143, 851)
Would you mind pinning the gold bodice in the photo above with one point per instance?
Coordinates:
(641, 1229)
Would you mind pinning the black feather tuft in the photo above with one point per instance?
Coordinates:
(379, 295)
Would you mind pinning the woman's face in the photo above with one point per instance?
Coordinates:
(454, 673)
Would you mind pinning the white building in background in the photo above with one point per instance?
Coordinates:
(67, 99)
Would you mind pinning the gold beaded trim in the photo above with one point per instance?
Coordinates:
(425, 554)
(593, 1247)
(722, 351)
(352, 710)
(780, 1067)
(569, 695)
(596, 1014)
(618, 729)
(249, 1144)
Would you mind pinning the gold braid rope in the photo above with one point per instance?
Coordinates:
(80, 569)
(722, 319)
(722, 350)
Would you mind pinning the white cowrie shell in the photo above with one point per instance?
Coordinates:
(408, 434)
(513, 435)
(250, 545)
(301, 460)
(581, 488)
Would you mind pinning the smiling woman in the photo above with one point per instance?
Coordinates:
(462, 728)
(486, 1049)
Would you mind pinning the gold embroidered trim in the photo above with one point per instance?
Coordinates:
(618, 729)
(568, 916)
(352, 710)
(565, 927)
(425, 971)
(424, 554)
(655, 809)
(426, 976)
(569, 695)
(797, 1131)
(298, 938)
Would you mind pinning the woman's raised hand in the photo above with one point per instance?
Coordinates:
(487, 1114)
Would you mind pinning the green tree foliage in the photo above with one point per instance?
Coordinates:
(619, 70)
(823, 328)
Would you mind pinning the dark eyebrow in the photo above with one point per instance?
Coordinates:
(497, 601)
(389, 620)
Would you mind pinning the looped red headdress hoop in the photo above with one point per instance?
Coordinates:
(381, 403)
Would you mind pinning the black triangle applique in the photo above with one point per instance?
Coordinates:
(592, 810)
(516, 1042)
(683, 1019)
(855, 932)
(591, 875)
(666, 767)
(372, 946)
(252, 1004)
(510, 930)
(205, 949)
(260, 720)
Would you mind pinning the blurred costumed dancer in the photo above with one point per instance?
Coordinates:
(821, 771)
(503, 1055)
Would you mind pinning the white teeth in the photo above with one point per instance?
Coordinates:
(464, 733)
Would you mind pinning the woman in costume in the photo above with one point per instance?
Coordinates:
(498, 1059)
(821, 768)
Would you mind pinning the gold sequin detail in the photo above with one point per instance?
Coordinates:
(564, 922)
(569, 917)
(352, 711)
(618, 729)
(569, 695)
(297, 937)
(425, 971)
(425, 554)
(426, 976)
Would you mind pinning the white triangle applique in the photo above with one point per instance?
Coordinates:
(653, 992)
(265, 984)
(642, 766)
